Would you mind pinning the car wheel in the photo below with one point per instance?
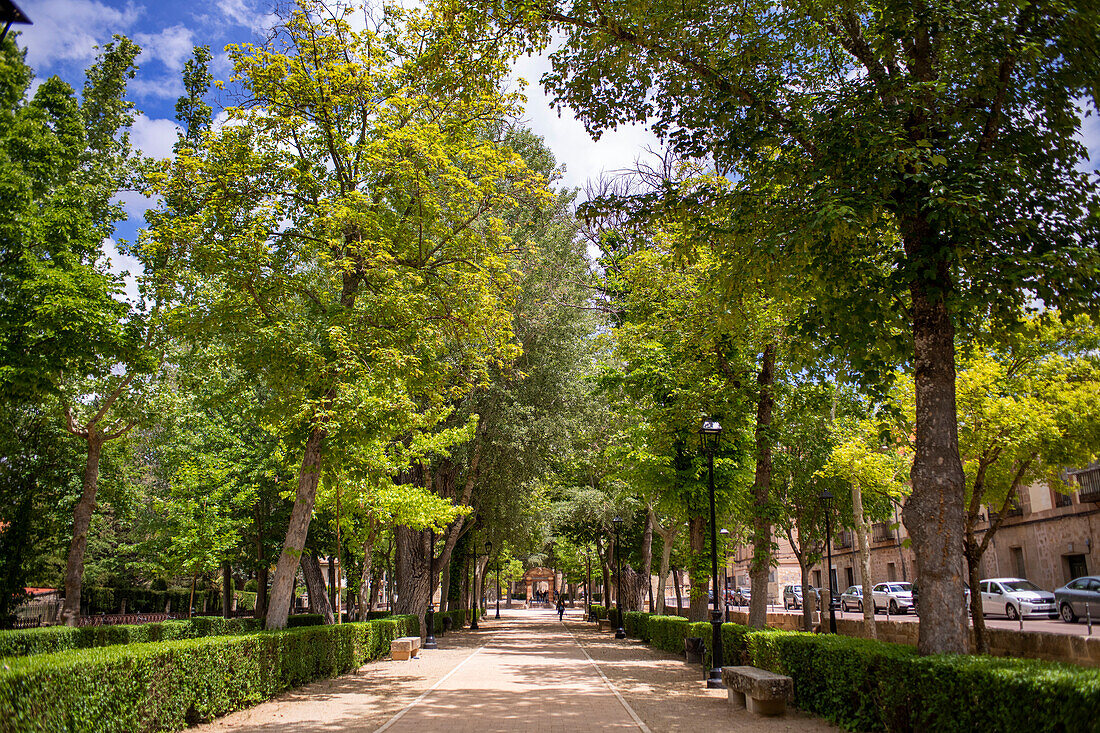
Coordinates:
(1067, 614)
(859, 605)
(893, 607)
(1011, 612)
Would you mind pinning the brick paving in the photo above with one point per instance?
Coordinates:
(524, 673)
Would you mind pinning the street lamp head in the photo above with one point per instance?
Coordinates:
(488, 547)
(723, 531)
(617, 520)
(826, 496)
(710, 433)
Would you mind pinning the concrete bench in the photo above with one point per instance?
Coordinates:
(404, 648)
(761, 691)
(605, 624)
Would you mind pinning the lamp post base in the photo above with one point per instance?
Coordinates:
(429, 622)
(620, 633)
(714, 680)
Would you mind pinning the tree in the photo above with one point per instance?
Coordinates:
(1029, 407)
(339, 236)
(928, 156)
(875, 474)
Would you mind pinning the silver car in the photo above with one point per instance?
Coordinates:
(852, 599)
(1016, 597)
(1072, 598)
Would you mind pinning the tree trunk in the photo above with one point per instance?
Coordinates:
(697, 593)
(606, 573)
(934, 513)
(297, 530)
(445, 588)
(413, 570)
(761, 525)
(366, 601)
(82, 520)
(667, 539)
(679, 594)
(862, 530)
(333, 591)
(227, 590)
(977, 613)
(315, 585)
(261, 592)
(511, 592)
(809, 602)
(636, 582)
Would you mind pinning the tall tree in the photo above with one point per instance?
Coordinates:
(930, 154)
(344, 244)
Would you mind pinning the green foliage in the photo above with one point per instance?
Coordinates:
(868, 685)
(167, 686)
(636, 624)
(459, 618)
(96, 600)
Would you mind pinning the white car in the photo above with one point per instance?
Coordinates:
(895, 597)
(1016, 597)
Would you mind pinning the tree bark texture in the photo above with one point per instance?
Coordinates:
(366, 602)
(227, 590)
(261, 592)
(761, 525)
(668, 538)
(697, 595)
(298, 528)
(315, 585)
(636, 582)
(863, 529)
(934, 513)
(82, 520)
(679, 596)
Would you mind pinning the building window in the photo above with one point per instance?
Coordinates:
(851, 576)
(881, 532)
(891, 572)
(817, 578)
(1018, 565)
(1061, 499)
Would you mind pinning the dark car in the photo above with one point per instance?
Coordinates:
(1078, 598)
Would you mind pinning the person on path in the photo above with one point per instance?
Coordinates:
(561, 607)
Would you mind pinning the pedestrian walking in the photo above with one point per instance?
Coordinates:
(561, 607)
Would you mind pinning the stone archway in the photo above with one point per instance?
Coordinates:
(543, 582)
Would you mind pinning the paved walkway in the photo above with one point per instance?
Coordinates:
(524, 673)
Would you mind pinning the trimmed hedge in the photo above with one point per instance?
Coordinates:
(50, 639)
(867, 685)
(167, 686)
(636, 624)
(459, 618)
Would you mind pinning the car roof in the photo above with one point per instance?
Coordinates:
(1000, 580)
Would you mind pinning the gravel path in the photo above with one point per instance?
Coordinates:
(525, 673)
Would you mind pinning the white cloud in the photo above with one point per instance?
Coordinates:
(584, 159)
(168, 86)
(172, 46)
(154, 137)
(135, 204)
(68, 30)
(1090, 136)
(121, 263)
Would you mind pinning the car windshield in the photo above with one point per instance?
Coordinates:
(900, 587)
(1020, 585)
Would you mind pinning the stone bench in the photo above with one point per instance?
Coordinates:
(761, 691)
(404, 648)
(605, 624)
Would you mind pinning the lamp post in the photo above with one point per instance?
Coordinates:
(620, 633)
(429, 619)
(9, 14)
(710, 434)
(826, 499)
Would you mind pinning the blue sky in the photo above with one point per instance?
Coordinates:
(63, 37)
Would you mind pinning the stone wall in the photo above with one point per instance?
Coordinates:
(1083, 650)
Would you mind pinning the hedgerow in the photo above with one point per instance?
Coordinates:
(868, 685)
(166, 686)
(51, 639)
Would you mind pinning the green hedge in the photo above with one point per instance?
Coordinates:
(167, 686)
(601, 611)
(52, 639)
(636, 624)
(867, 685)
(459, 618)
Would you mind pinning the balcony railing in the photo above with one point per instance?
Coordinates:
(843, 540)
(881, 532)
(1089, 483)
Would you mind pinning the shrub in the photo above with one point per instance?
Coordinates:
(601, 611)
(169, 685)
(636, 624)
(63, 638)
(668, 632)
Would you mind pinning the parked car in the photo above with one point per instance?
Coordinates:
(894, 597)
(1016, 597)
(1072, 597)
(742, 595)
(792, 596)
(852, 599)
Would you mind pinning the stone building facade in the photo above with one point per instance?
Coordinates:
(1048, 538)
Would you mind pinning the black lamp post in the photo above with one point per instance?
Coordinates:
(9, 14)
(620, 633)
(710, 434)
(827, 499)
(484, 592)
(429, 618)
